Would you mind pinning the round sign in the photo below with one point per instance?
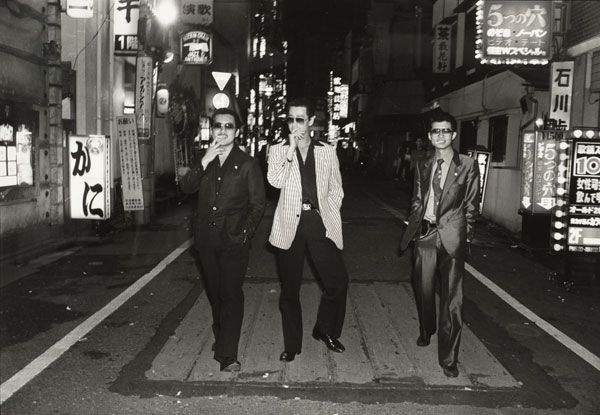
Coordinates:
(220, 100)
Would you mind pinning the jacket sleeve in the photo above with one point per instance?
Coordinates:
(256, 199)
(417, 200)
(190, 183)
(472, 199)
(336, 191)
(279, 166)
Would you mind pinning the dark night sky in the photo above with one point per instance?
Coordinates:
(313, 29)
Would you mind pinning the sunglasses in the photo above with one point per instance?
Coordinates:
(227, 126)
(438, 131)
(297, 120)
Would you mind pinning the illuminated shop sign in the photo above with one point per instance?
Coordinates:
(197, 12)
(539, 167)
(16, 140)
(483, 163)
(344, 93)
(442, 48)
(143, 95)
(89, 172)
(126, 14)
(131, 176)
(513, 32)
(576, 219)
(561, 91)
(196, 48)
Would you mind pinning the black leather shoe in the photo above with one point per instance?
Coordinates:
(450, 371)
(332, 343)
(288, 356)
(423, 341)
(230, 365)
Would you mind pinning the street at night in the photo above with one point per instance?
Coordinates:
(530, 343)
(299, 207)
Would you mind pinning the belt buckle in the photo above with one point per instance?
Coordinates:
(306, 206)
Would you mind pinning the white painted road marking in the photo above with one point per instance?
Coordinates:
(565, 340)
(25, 375)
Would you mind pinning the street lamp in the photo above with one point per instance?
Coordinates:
(166, 12)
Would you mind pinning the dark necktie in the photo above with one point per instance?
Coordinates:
(437, 184)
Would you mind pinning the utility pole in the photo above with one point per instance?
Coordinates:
(143, 110)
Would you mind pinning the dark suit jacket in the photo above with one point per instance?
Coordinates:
(458, 207)
(230, 216)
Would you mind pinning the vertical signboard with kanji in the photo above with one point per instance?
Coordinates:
(197, 12)
(131, 178)
(527, 163)
(544, 172)
(539, 168)
(514, 31)
(561, 89)
(126, 14)
(441, 48)
(143, 96)
(584, 197)
(483, 163)
(89, 172)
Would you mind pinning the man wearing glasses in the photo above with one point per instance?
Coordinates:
(231, 201)
(308, 217)
(443, 210)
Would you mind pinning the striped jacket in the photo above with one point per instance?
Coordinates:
(285, 175)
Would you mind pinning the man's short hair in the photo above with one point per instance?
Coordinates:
(303, 102)
(441, 116)
(227, 111)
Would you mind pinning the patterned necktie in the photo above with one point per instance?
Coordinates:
(437, 184)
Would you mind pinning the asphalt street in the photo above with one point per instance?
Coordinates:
(120, 325)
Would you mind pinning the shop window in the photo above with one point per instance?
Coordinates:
(497, 137)
(17, 126)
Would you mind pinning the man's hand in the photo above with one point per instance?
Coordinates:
(214, 150)
(182, 171)
(295, 136)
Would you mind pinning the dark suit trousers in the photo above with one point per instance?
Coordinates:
(331, 271)
(224, 270)
(431, 256)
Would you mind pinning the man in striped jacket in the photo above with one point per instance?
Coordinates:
(308, 217)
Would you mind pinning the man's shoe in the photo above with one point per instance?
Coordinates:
(230, 365)
(332, 343)
(423, 341)
(288, 356)
(450, 371)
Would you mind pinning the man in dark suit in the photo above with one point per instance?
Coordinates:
(443, 210)
(231, 202)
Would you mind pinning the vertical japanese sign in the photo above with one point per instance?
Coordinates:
(584, 198)
(561, 89)
(483, 163)
(441, 48)
(514, 31)
(527, 163)
(131, 178)
(89, 172)
(344, 94)
(126, 16)
(143, 96)
(196, 48)
(197, 12)
(544, 171)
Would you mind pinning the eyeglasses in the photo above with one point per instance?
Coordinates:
(438, 131)
(227, 126)
(298, 120)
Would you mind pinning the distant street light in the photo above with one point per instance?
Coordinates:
(166, 13)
